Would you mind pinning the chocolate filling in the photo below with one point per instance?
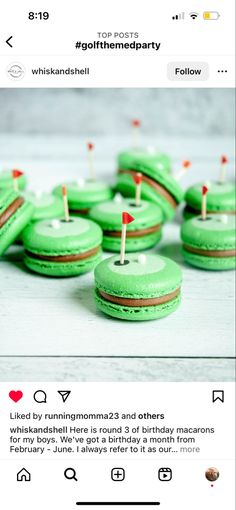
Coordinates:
(133, 233)
(158, 187)
(210, 253)
(11, 209)
(79, 211)
(139, 302)
(192, 210)
(65, 258)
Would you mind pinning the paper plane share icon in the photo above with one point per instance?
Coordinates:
(64, 395)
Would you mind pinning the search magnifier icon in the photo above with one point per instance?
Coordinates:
(70, 474)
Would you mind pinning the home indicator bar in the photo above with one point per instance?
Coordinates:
(118, 503)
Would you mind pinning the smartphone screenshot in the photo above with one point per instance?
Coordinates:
(117, 255)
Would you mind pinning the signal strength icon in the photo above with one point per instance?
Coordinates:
(193, 15)
(178, 16)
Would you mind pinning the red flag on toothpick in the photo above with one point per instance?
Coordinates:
(138, 178)
(223, 162)
(138, 181)
(15, 175)
(136, 123)
(65, 203)
(185, 165)
(204, 201)
(126, 219)
(136, 132)
(90, 147)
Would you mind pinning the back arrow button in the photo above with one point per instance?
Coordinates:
(8, 41)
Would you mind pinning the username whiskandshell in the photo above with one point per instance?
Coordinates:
(56, 71)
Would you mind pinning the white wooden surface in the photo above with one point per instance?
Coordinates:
(121, 369)
(43, 316)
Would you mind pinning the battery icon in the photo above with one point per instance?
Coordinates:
(211, 15)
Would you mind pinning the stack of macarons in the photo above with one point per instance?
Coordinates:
(209, 243)
(62, 248)
(221, 199)
(145, 287)
(15, 214)
(126, 158)
(142, 286)
(158, 187)
(84, 194)
(143, 233)
(46, 205)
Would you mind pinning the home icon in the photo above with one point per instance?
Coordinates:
(23, 476)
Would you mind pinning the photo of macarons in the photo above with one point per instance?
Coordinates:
(15, 214)
(103, 254)
(62, 248)
(7, 179)
(144, 287)
(221, 197)
(209, 243)
(46, 205)
(143, 233)
(139, 153)
(126, 158)
(157, 186)
(84, 194)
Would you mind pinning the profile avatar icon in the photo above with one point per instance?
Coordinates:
(212, 474)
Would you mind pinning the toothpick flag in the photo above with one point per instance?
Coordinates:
(90, 148)
(65, 202)
(126, 219)
(204, 202)
(138, 181)
(136, 132)
(223, 162)
(15, 175)
(185, 165)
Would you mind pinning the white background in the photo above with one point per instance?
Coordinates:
(196, 40)
(182, 404)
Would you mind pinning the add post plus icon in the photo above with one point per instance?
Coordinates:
(118, 474)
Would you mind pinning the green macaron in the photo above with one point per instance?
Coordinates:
(15, 214)
(61, 248)
(142, 233)
(126, 158)
(84, 194)
(209, 243)
(157, 186)
(145, 287)
(221, 199)
(46, 205)
(7, 181)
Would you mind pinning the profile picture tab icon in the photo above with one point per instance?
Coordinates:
(212, 474)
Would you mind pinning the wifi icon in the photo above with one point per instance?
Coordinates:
(193, 15)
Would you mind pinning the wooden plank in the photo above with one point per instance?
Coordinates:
(135, 370)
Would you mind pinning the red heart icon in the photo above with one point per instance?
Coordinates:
(15, 395)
